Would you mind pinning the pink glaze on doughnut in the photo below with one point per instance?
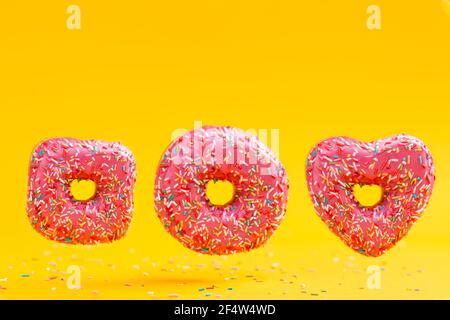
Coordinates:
(221, 153)
(52, 210)
(401, 165)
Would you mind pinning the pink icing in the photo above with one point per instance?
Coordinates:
(221, 153)
(401, 165)
(52, 210)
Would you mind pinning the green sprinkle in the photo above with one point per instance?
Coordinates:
(204, 249)
(171, 197)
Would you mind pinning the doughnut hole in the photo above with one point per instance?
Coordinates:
(220, 192)
(83, 189)
(368, 195)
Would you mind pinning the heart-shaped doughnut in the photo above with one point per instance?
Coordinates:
(401, 165)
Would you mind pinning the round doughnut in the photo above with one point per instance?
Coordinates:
(401, 165)
(220, 153)
(52, 210)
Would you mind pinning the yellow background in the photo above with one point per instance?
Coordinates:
(137, 70)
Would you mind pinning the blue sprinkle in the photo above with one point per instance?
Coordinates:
(375, 151)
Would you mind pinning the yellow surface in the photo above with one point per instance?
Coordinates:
(220, 193)
(83, 190)
(138, 70)
(368, 195)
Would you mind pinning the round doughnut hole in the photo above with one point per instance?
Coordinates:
(220, 192)
(83, 189)
(368, 195)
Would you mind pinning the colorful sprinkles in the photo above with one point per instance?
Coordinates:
(401, 165)
(221, 153)
(52, 210)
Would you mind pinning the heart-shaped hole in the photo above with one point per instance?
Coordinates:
(368, 195)
(220, 192)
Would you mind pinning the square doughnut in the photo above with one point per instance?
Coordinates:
(56, 214)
